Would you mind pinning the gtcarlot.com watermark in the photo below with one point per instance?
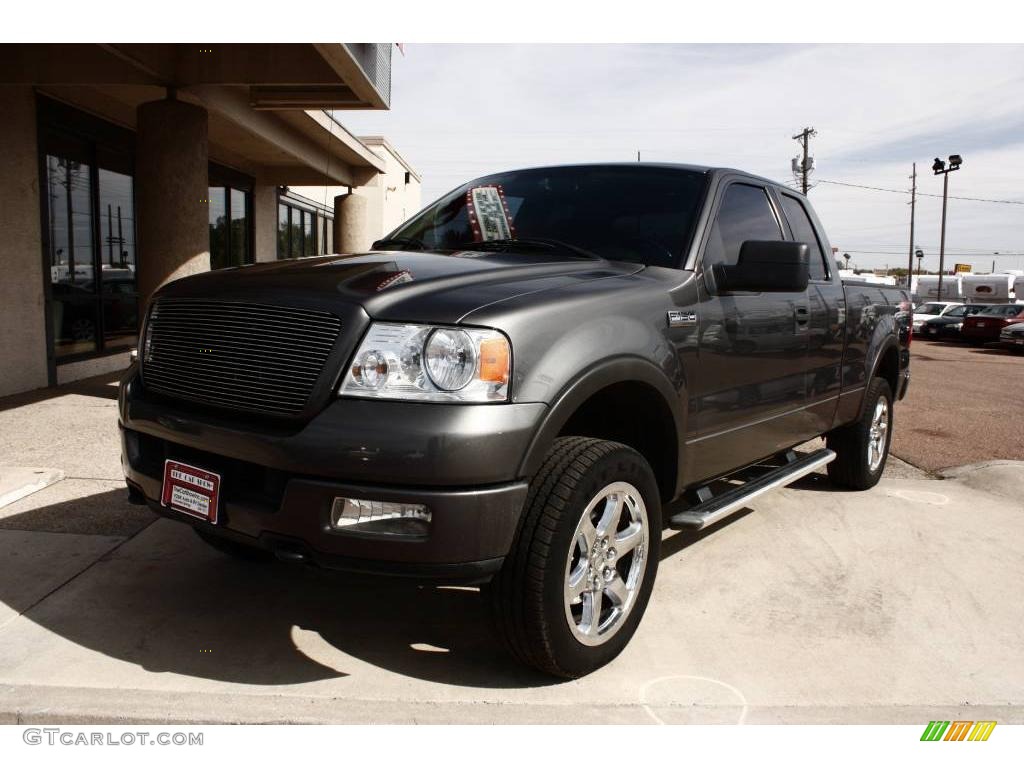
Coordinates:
(74, 737)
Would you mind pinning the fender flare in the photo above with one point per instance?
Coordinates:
(884, 337)
(592, 380)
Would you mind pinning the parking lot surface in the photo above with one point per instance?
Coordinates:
(814, 606)
(964, 405)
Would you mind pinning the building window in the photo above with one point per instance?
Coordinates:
(230, 219)
(303, 228)
(89, 241)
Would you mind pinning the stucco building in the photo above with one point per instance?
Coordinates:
(125, 166)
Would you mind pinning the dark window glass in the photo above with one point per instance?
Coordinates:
(803, 232)
(745, 214)
(296, 232)
(308, 239)
(71, 233)
(89, 210)
(1003, 310)
(117, 232)
(239, 228)
(282, 232)
(117, 259)
(230, 242)
(120, 320)
(619, 212)
(72, 278)
(218, 228)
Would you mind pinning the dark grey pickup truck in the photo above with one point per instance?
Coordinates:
(510, 388)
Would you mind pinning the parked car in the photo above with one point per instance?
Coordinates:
(948, 326)
(1012, 337)
(986, 325)
(508, 388)
(930, 310)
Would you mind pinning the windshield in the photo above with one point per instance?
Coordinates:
(629, 213)
(930, 309)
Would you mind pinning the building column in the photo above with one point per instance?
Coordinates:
(171, 192)
(351, 230)
(264, 214)
(22, 308)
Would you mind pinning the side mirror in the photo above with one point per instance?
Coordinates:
(765, 265)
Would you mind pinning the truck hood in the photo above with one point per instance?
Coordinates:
(403, 286)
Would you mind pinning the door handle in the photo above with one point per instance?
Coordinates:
(800, 317)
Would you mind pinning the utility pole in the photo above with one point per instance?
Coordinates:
(803, 167)
(913, 201)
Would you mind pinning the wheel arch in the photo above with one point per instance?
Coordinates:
(884, 355)
(647, 416)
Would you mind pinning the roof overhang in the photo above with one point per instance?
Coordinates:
(265, 102)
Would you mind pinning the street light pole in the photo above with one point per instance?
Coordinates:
(942, 239)
(913, 202)
(939, 167)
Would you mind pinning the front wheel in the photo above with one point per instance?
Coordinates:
(577, 581)
(862, 447)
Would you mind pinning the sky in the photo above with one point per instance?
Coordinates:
(461, 111)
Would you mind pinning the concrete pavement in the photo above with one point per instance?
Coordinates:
(894, 605)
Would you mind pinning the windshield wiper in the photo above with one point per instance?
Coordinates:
(398, 244)
(545, 243)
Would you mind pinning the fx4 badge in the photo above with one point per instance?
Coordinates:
(678, 318)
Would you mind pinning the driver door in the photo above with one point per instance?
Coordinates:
(748, 388)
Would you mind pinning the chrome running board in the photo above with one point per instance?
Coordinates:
(711, 509)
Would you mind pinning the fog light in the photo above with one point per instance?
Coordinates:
(388, 518)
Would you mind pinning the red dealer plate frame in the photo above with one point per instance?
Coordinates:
(191, 490)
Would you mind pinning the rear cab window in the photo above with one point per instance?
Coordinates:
(804, 232)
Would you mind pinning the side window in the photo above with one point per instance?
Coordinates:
(745, 214)
(803, 232)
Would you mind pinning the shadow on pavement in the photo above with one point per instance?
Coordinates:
(103, 386)
(167, 602)
(104, 514)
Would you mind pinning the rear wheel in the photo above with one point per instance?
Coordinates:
(862, 447)
(577, 581)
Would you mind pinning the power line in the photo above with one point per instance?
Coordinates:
(922, 194)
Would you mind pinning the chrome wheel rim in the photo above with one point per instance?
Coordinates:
(606, 563)
(878, 434)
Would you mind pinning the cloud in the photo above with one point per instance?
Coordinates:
(460, 111)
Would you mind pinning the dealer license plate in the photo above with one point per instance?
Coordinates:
(191, 490)
(981, 323)
(1018, 341)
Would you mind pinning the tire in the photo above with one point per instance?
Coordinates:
(233, 548)
(555, 551)
(852, 467)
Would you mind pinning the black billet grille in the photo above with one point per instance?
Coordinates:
(236, 355)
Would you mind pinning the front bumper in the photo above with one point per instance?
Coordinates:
(278, 483)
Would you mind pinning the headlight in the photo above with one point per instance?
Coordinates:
(416, 362)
